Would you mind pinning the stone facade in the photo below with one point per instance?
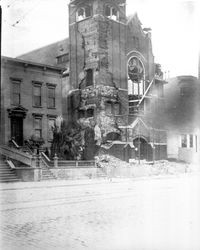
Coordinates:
(98, 60)
(112, 66)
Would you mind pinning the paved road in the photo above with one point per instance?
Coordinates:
(149, 214)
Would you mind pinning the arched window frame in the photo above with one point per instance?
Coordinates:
(111, 15)
(136, 87)
(86, 12)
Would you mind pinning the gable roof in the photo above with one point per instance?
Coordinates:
(133, 18)
(47, 54)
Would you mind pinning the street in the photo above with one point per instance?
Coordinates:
(122, 214)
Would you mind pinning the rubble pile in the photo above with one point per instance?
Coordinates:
(167, 167)
(111, 161)
(162, 167)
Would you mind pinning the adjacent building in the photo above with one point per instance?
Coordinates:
(31, 99)
(182, 118)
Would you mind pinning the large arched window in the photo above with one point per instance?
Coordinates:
(111, 12)
(135, 76)
(83, 12)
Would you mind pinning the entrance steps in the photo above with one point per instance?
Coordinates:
(6, 173)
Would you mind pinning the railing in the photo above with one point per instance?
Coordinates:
(56, 163)
(13, 143)
(46, 161)
(76, 164)
(17, 155)
(35, 161)
(29, 146)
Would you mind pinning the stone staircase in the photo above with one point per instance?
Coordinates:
(6, 173)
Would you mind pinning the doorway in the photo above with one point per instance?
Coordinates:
(143, 149)
(17, 130)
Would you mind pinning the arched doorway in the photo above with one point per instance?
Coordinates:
(143, 150)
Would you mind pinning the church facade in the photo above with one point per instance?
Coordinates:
(114, 79)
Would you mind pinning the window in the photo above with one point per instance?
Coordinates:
(16, 97)
(133, 107)
(184, 141)
(81, 114)
(112, 13)
(51, 123)
(112, 108)
(89, 113)
(191, 141)
(37, 95)
(196, 143)
(89, 77)
(38, 126)
(108, 108)
(86, 113)
(83, 12)
(51, 97)
(135, 77)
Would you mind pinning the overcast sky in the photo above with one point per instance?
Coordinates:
(30, 24)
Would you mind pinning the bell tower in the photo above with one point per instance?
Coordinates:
(98, 64)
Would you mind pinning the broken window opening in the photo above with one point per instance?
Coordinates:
(89, 77)
(113, 108)
(184, 141)
(112, 13)
(81, 114)
(89, 113)
(83, 13)
(135, 77)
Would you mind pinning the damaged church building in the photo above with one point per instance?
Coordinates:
(114, 80)
(103, 76)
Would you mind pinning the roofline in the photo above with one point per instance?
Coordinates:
(16, 60)
(186, 77)
(48, 45)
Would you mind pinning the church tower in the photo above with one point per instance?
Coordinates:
(98, 64)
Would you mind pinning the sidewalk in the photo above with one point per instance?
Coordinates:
(79, 182)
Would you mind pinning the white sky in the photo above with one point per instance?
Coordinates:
(175, 28)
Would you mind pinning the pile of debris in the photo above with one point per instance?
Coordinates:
(162, 167)
(108, 160)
